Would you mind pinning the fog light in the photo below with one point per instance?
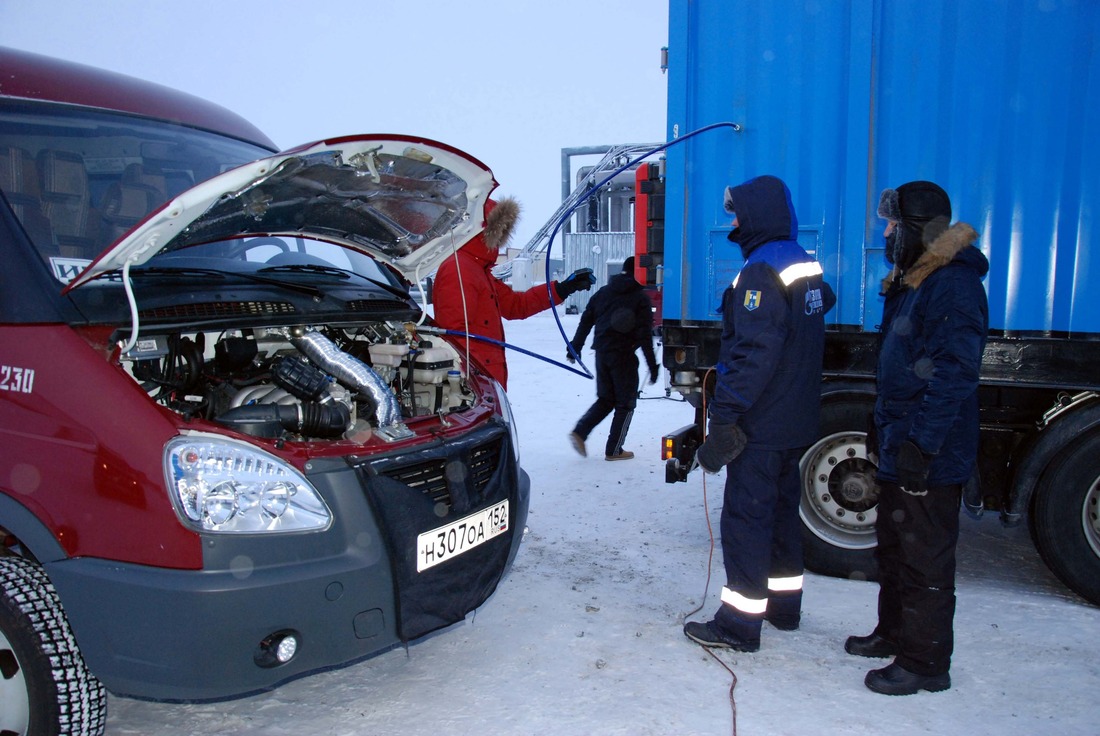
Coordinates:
(277, 649)
(286, 649)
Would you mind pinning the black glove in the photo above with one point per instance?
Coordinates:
(580, 280)
(912, 466)
(569, 354)
(654, 371)
(724, 442)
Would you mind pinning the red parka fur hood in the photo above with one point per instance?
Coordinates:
(470, 299)
(500, 221)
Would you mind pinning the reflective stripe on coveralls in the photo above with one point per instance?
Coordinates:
(739, 602)
(793, 273)
(757, 606)
(785, 585)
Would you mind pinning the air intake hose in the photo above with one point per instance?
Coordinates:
(268, 420)
(351, 372)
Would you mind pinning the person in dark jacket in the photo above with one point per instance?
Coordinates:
(934, 325)
(468, 298)
(764, 414)
(623, 317)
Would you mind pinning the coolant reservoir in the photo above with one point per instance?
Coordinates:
(431, 365)
(388, 354)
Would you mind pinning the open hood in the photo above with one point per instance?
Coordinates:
(405, 201)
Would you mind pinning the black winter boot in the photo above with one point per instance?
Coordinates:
(709, 635)
(871, 645)
(893, 679)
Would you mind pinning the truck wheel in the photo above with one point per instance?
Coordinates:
(45, 687)
(1065, 519)
(839, 495)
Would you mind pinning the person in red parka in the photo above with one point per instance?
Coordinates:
(469, 298)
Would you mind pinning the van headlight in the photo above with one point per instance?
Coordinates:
(509, 418)
(221, 485)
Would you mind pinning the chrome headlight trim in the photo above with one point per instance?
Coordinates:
(225, 486)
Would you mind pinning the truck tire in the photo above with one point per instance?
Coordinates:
(45, 688)
(1065, 518)
(839, 495)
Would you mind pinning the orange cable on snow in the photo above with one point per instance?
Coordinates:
(710, 561)
(733, 684)
(706, 507)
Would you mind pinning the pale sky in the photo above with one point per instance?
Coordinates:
(510, 82)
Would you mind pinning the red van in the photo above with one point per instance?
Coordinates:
(234, 450)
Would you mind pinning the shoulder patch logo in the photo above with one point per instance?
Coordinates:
(815, 302)
(752, 299)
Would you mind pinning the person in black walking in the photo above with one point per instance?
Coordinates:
(623, 317)
(925, 435)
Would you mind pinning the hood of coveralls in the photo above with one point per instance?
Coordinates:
(500, 222)
(764, 213)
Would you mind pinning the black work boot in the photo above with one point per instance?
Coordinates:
(893, 679)
(709, 635)
(871, 645)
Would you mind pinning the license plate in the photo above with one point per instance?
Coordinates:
(440, 545)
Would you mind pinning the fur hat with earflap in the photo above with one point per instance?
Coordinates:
(922, 211)
(923, 240)
(500, 220)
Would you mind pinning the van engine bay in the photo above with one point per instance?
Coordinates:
(303, 382)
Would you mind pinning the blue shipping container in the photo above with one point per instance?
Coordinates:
(992, 99)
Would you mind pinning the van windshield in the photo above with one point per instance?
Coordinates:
(77, 180)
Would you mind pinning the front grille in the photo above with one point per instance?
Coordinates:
(433, 480)
(206, 310)
(430, 477)
(483, 463)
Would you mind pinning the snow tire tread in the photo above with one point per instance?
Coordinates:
(78, 698)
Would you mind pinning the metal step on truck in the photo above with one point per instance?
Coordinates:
(991, 100)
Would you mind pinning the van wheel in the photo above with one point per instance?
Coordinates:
(45, 687)
(1066, 517)
(839, 495)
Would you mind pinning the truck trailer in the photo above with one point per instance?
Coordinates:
(992, 100)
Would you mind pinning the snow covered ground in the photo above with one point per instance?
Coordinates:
(584, 636)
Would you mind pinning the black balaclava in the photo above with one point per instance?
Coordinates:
(922, 210)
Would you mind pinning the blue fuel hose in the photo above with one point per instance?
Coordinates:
(550, 246)
(458, 333)
(565, 216)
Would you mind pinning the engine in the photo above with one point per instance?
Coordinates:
(303, 383)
